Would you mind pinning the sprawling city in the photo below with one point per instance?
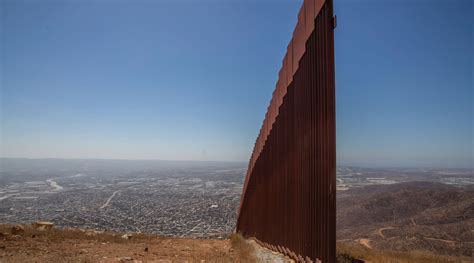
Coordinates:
(184, 199)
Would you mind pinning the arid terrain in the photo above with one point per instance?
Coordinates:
(77, 245)
(416, 216)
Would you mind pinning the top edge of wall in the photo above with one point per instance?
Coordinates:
(295, 51)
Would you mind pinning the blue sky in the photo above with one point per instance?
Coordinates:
(189, 80)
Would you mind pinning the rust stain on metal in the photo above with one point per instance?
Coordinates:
(288, 200)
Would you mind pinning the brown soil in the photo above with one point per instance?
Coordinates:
(74, 245)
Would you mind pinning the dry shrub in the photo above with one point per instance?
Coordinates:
(245, 250)
(347, 252)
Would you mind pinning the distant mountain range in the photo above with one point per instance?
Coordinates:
(408, 216)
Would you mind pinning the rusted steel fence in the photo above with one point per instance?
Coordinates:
(288, 202)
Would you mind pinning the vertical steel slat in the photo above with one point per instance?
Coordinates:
(289, 192)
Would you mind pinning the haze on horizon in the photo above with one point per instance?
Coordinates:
(192, 81)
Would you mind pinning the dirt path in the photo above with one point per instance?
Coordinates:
(380, 230)
(450, 242)
(365, 242)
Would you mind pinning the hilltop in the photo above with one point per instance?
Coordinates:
(79, 245)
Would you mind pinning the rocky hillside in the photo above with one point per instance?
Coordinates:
(414, 216)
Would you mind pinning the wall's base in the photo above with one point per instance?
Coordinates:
(285, 251)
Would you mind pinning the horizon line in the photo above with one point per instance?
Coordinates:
(119, 159)
(243, 162)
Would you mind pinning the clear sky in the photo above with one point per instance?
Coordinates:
(191, 80)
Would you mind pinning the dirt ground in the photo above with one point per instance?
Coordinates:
(74, 245)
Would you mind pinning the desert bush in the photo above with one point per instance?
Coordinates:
(245, 250)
